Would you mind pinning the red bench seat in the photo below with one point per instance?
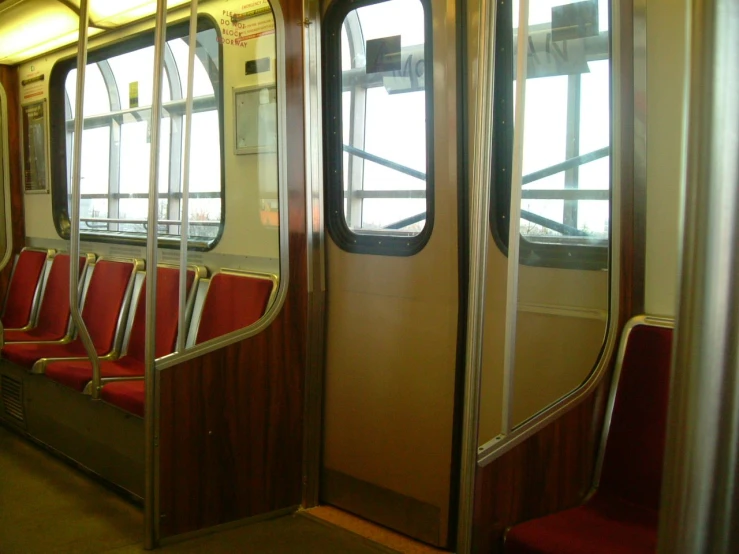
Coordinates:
(104, 301)
(127, 395)
(77, 373)
(53, 317)
(622, 516)
(603, 524)
(233, 302)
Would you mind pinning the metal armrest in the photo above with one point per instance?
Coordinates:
(40, 366)
(63, 340)
(21, 329)
(88, 388)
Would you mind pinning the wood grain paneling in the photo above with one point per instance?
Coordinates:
(633, 193)
(553, 470)
(548, 472)
(9, 80)
(231, 425)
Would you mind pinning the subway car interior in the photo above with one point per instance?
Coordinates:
(233, 321)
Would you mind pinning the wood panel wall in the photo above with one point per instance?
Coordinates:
(548, 472)
(9, 80)
(553, 470)
(231, 425)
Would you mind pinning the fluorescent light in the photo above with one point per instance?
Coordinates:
(31, 28)
(121, 12)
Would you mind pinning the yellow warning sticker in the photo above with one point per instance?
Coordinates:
(133, 94)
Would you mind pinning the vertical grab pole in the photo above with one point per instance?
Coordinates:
(479, 216)
(700, 489)
(514, 221)
(74, 234)
(185, 215)
(151, 420)
(5, 178)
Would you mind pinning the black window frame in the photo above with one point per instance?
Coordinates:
(57, 122)
(370, 242)
(532, 253)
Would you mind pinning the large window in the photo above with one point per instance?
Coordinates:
(565, 206)
(378, 126)
(117, 135)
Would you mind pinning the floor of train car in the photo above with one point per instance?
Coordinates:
(48, 506)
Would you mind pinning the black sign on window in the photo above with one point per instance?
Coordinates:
(383, 55)
(573, 21)
(260, 65)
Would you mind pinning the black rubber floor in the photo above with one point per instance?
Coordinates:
(47, 506)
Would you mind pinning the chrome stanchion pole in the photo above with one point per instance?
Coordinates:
(700, 490)
(185, 207)
(74, 233)
(151, 419)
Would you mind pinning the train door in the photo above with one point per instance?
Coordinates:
(560, 163)
(392, 263)
(547, 307)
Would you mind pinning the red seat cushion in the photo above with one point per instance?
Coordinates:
(34, 334)
(606, 525)
(53, 317)
(623, 515)
(128, 395)
(76, 374)
(27, 354)
(103, 304)
(22, 288)
(233, 302)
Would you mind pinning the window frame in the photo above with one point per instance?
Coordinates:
(58, 137)
(533, 253)
(370, 242)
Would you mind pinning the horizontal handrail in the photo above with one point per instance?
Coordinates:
(566, 194)
(384, 162)
(530, 178)
(200, 104)
(567, 164)
(145, 196)
(528, 216)
(553, 225)
(407, 221)
(530, 194)
(388, 194)
(144, 221)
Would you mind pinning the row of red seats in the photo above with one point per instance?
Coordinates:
(48, 346)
